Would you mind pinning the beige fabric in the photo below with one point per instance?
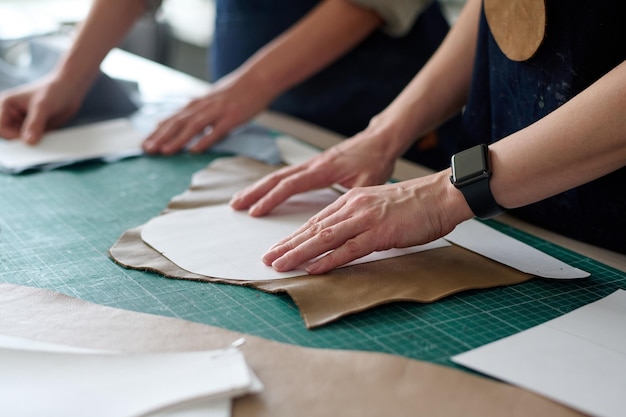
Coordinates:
(421, 277)
(298, 381)
(518, 26)
(398, 15)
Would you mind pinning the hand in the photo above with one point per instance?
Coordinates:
(29, 111)
(371, 219)
(231, 102)
(355, 162)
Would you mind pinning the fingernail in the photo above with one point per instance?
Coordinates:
(267, 259)
(280, 265)
(313, 268)
(271, 255)
(235, 200)
(254, 210)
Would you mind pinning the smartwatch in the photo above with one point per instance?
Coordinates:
(471, 170)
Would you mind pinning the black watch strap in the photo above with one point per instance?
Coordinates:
(480, 199)
(471, 171)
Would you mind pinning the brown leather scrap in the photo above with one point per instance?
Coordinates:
(421, 277)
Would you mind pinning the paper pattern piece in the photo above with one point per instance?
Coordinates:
(220, 242)
(578, 359)
(482, 239)
(219, 407)
(104, 384)
(109, 139)
(213, 407)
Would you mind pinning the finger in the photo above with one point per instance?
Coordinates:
(174, 133)
(248, 196)
(163, 133)
(218, 131)
(320, 226)
(34, 126)
(330, 215)
(163, 130)
(11, 121)
(339, 244)
(299, 182)
(349, 251)
(302, 248)
(291, 242)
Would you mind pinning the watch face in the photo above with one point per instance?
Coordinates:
(470, 164)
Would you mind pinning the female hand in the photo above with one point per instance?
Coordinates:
(231, 102)
(28, 112)
(371, 219)
(356, 162)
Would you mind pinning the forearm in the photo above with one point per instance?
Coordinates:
(582, 140)
(326, 33)
(104, 28)
(437, 92)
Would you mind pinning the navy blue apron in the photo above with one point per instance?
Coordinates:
(584, 40)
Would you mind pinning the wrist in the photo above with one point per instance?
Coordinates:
(455, 208)
(253, 82)
(438, 201)
(388, 131)
(79, 76)
(471, 175)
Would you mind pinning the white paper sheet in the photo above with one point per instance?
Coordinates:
(485, 240)
(10, 342)
(53, 380)
(220, 242)
(218, 407)
(109, 139)
(212, 407)
(578, 359)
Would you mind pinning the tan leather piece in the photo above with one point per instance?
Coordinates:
(422, 277)
(219, 181)
(298, 381)
(518, 26)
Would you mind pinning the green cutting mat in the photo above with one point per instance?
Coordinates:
(56, 228)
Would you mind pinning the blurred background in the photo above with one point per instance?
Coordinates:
(179, 35)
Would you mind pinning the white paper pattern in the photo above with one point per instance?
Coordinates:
(54, 380)
(220, 242)
(109, 139)
(495, 245)
(578, 359)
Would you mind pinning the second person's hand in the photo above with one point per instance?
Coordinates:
(27, 112)
(205, 120)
